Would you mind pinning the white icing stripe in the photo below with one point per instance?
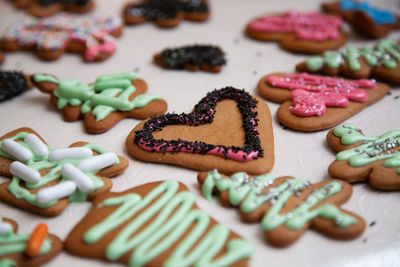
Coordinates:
(56, 192)
(68, 153)
(36, 144)
(5, 228)
(16, 150)
(98, 162)
(24, 172)
(82, 181)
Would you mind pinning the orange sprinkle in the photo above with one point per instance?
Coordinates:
(36, 240)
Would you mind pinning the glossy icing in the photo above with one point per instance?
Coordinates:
(380, 16)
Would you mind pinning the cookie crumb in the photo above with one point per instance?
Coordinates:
(389, 93)
(137, 69)
(372, 223)
(254, 72)
(236, 41)
(397, 97)
(259, 54)
(365, 240)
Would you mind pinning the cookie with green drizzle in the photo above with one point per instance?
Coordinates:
(375, 159)
(44, 180)
(286, 206)
(14, 247)
(156, 224)
(381, 62)
(104, 103)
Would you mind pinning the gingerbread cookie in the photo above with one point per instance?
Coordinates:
(371, 21)
(286, 206)
(1, 57)
(166, 13)
(103, 104)
(44, 180)
(363, 158)
(382, 62)
(193, 58)
(26, 250)
(313, 103)
(13, 83)
(228, 129)
(45, 8)
(309, 33)
(156, 224)
(51, 37)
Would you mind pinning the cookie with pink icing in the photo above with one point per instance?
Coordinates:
(93, 37)
(44, 180)
(309, 33)
(228, 129)
(312, 103)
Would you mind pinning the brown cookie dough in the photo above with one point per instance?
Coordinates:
(362, 158)
(286, 206)
(44, 180)
(228, 129)
(309, 33)
(104, 103)
(313, 103)
(155, 224)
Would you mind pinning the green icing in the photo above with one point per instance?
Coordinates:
(250, 194)
(109, 93)
(39, 163)
(386, 53)
(174, 215)
(371, 149)
(7, 263)
(13, 243)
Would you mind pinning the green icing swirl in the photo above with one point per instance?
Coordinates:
(371, 149)
(39, 163)
(109, 93)
(250, 194)
(174, 215)
(386, 53)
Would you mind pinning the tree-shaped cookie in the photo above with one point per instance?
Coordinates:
(44, 180)
(156, 224)
(166, 13)
(104, 103)
(286, 206)
(382, 61)
(364, 158)
(312, 103)
(26, 250)
(229, 129)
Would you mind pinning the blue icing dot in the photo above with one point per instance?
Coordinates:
(380, 16)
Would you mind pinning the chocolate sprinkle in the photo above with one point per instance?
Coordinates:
(12, 83)
(165, 9)
(195, 55)
(46, 3)
(372, 223)
(204, 113)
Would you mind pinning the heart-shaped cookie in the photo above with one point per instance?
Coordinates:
(229, 130)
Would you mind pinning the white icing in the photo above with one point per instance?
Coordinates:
(5, 228)
(36, 144)
(98, 162)
(56, 192)
(24, 172)
(16, 150)
(68, 153)
(82, 181)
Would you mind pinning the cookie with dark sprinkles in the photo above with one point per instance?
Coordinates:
(195, 57)
(229, 130)
(45, 8)
(166, 13)
(12, 83)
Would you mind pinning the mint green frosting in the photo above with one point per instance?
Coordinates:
(386, 53)
(39, 163)
(250, 194)
(7, 263)
(108, 94)
(174, 216)
(371, 149)
(14, 243)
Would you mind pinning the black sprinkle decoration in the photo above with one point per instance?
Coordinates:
(204, 113)
(12, 83)
(195, 55)
(46, 3)
(166, 9)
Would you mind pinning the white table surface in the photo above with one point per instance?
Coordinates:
(303, 155)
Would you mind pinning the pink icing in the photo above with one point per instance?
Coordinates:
(309, 26)
(312, 94)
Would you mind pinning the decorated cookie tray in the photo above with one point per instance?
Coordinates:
(298, 154)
